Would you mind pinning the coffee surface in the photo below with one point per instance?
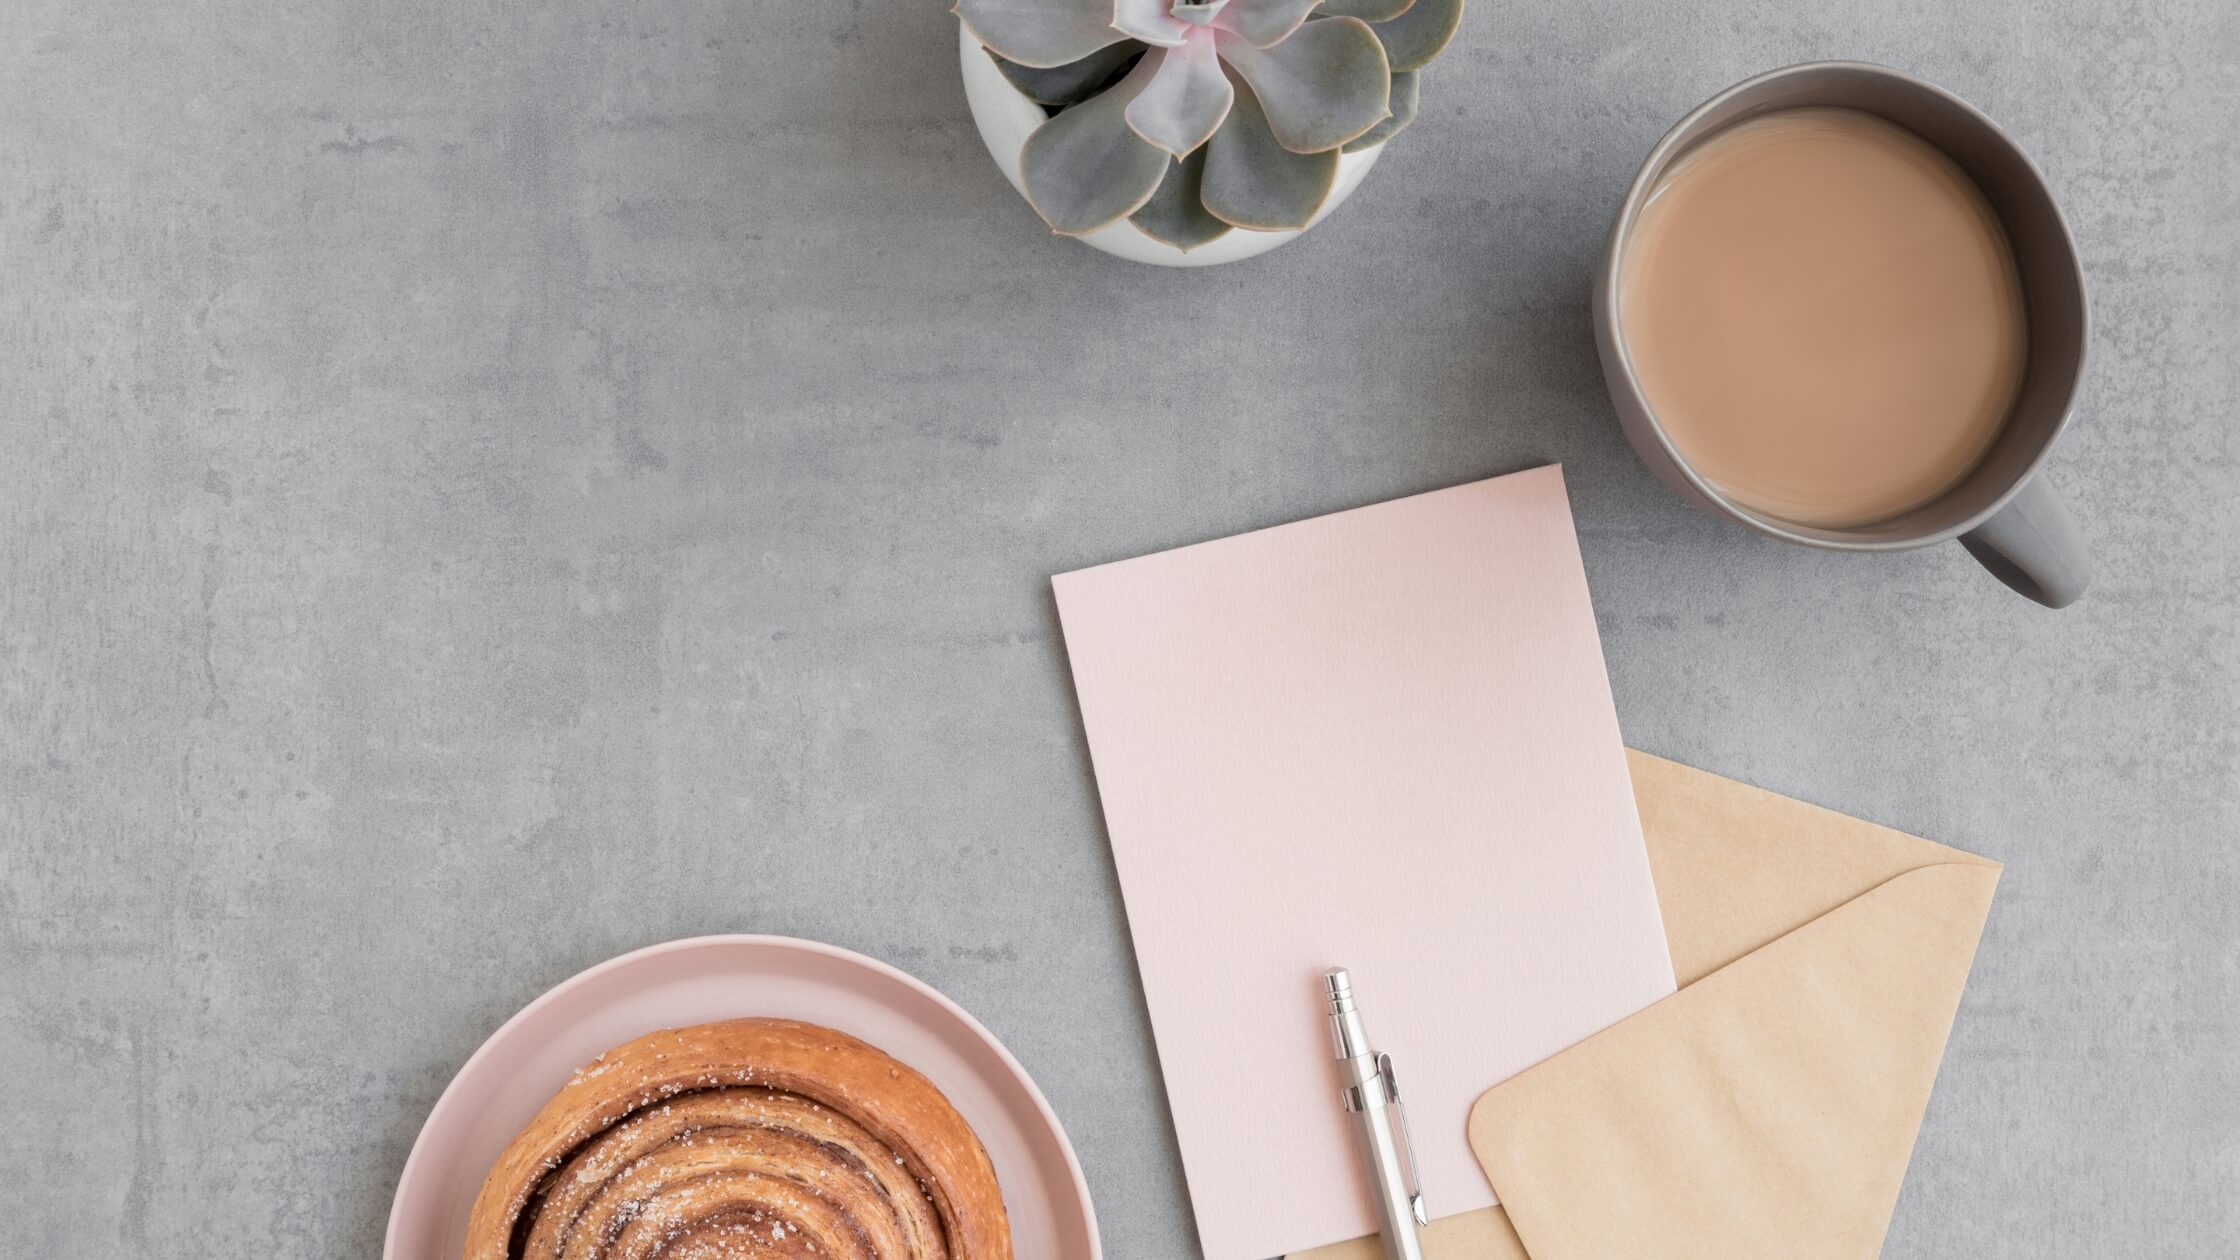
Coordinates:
(1825, 316)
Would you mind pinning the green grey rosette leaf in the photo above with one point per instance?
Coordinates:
(1084, 169)
(1404, 98)
(1253, 180)
(1419, 33)
(1176, 214)
(1366, 10)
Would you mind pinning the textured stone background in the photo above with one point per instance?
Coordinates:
(486, 486)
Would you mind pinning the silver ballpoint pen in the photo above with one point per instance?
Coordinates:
(1372, 1101)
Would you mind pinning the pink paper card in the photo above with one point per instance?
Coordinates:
(1380, 740)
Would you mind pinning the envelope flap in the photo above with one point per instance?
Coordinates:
(1737, 866)
(1768, 1109)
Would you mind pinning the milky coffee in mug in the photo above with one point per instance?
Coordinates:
(1825, 315)
(1840, 307)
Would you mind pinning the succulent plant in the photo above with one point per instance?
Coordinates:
(1193, 117)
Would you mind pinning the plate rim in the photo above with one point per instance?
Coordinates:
(886, 970)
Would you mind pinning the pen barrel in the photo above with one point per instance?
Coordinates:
(1376, 1126)
(1372, 1097)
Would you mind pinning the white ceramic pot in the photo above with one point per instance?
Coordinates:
(1006, 118)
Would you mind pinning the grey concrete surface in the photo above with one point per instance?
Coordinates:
(486, 486)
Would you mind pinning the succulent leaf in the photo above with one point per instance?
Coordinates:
(1085, 169)
(1253, 181)
(1073, 82)
(1152, 21)
(1366, 10)
(1175, 214)
(1186, 100)
(1413, 38)
(1325, 85)
(1266, 22)
(1040, 33)
(1404, 84)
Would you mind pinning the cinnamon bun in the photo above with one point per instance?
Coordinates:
(743, 1140)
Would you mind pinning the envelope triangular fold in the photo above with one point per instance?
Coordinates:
(1768, 1109)
(1737, 866)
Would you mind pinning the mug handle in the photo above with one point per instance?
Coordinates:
(2032, 545)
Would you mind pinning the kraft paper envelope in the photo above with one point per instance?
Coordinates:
(1769, 1107)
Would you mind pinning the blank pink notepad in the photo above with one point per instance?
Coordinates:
(1381, 740)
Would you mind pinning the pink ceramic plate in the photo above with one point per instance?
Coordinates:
(726, 977)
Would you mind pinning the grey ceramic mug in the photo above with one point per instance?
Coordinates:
(2003, 513)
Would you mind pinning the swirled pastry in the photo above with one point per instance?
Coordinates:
(742, 1140)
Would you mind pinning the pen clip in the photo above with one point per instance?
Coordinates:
(1407, 1139)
